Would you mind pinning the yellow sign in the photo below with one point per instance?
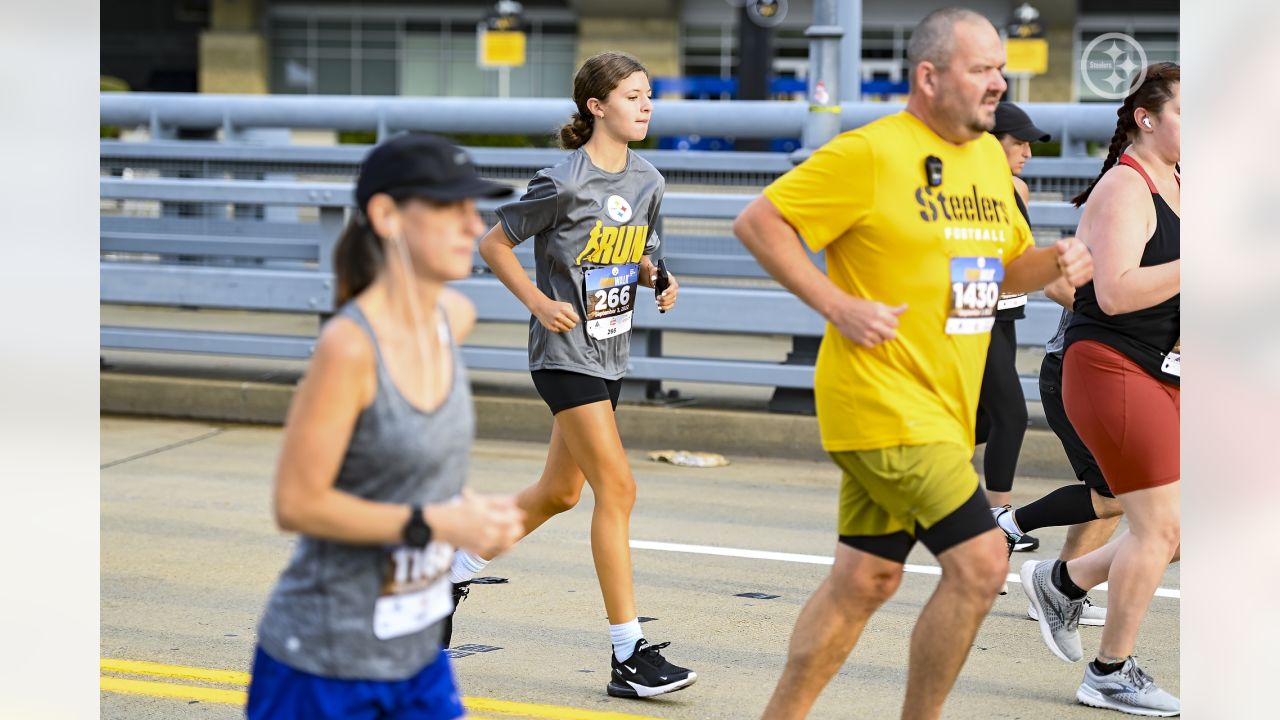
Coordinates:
(501, 48)
(1027, 56)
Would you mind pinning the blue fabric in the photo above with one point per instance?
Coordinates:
(277, 692)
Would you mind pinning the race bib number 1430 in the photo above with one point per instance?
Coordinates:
(975, 292)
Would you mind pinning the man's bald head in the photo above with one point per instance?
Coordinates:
(934, 39)
(956, 73)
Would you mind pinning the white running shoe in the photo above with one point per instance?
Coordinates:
(1129, 690)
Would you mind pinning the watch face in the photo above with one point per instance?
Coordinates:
(418, 535)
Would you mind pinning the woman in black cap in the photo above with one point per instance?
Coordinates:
(374, 458)
(1089, 510)
(1002, 408)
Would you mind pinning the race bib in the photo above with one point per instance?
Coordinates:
(415, 592)
(610, 294)
(1172, 364)
(975, 292)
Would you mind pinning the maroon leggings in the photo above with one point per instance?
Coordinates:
(1127, 418)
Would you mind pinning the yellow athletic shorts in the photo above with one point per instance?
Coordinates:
(893, 489)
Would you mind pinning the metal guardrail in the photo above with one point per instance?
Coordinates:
(715, 206)
(254, 253)
(1048, 177)
(1069, 122)
(302, 282)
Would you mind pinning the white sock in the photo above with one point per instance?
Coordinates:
(465, 566)
(1007, 523)
(624, 638)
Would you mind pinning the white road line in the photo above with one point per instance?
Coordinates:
(818, 560)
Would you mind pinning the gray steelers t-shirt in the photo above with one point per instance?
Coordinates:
(590, 229)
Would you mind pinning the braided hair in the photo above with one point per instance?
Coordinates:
(1151, 94)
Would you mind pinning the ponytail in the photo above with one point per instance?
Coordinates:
(357, 258)
(1154, 90)
(575, 133)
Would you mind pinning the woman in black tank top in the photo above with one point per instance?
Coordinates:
(1120, 386)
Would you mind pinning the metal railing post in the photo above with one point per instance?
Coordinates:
(821, 124)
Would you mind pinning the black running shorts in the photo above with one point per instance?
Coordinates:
(1082, 461)
(564, 390)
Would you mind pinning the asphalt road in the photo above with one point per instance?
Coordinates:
(189, 553)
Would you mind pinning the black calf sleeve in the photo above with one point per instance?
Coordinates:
(1068, 505)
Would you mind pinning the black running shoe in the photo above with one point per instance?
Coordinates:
(646, 673)
(1017, 543)
(1025, 543)
(460, 593)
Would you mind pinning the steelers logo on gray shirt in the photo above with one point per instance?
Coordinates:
(590, 229)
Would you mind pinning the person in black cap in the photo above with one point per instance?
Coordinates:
(1002, 408)
(1091, 510)
(374, 457)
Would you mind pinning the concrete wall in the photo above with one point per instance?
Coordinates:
(233, 51)
(654, 41)
(233, 62)
(1056, 85)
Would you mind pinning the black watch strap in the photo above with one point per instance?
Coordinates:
(417, 533)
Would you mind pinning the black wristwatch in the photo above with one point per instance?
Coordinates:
(417, 533)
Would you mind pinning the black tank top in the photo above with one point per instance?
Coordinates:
(1017, 304)
(1146, 335)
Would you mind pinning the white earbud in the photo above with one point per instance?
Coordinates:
(1147, 121)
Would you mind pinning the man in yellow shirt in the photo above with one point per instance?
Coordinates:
(921, 232)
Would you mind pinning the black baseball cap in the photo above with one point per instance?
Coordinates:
(422, 165)
(1012, 120)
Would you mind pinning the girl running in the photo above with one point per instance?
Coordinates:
(1121, 380)
(592, 218)
(374, 457)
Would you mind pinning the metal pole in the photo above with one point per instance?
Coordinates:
(504, 82)
(823, 120)
(821, 124)
(850, 18)
(755, 68)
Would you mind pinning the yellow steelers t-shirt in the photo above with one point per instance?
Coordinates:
(891, 237)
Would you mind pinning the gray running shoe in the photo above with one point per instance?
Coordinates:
(1059, 617)
(1095, 615)
(1129, 690)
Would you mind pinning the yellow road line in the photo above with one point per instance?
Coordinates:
(237, 697)
(141, 667)
(171, 690)
(545, 712)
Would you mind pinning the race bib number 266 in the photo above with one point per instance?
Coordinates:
(975, 292)
(611, 298)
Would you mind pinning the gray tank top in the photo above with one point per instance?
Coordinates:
(1058, 341)
(361, 612)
